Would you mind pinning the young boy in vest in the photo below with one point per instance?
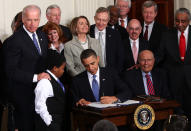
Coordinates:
(50, 96)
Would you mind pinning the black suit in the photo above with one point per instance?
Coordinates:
(179, 72)
(66, 32)
(121, 30)
(129, 60)
(22, 61)
(110, 85)
(134, 80)
(156, 35)
(114, 48)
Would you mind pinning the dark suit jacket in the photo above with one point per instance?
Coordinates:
(179, 72)
(156, 34)
(110, 85)
(134, 80)
(114, 48)
(22, 61)
(121, 30)
(129, 60)
(66, 32)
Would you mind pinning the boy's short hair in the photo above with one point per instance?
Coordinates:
(54, 59)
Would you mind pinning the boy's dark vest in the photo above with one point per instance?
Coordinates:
(56, 104)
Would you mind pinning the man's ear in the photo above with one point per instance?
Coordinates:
(54, 69)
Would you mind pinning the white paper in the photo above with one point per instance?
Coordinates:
(129, 102)
(99, 105)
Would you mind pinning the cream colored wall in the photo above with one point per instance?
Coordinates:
(70, 9)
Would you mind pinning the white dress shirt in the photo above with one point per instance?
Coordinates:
(42, 91)
(90, 77)
(150, 28)
(125, 21)
(185, 35)
(30, 35)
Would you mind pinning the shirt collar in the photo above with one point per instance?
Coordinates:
(125, 19)
(131, 41)
(52, 75)
(97, 31)
(143, 73)
(28, 32)
(185, 31)
(91, 76)
(150, 25)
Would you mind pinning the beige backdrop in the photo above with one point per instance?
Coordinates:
(70, 9)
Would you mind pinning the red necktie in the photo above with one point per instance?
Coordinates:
(122, 23)
(182, 46)
(146, 33)
(150, 87)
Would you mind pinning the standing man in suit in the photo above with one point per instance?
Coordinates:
(175, 56)
(138, 79)
(152, 30)
(124, 8)
(25, 52)
(53, 14)
(133, 44)
(110, 40)
(113, 22)
(97, 84)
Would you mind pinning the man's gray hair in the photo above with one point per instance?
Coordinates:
(183, 10)
(52, 7)
(129, 2)
(30, 7)
(101, 10)
(150, 3)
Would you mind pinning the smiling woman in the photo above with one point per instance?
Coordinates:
(56, 39)
(81, 41)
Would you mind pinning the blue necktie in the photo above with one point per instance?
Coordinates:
(36, 43)
(95, 88)
(60, 83)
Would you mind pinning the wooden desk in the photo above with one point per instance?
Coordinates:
(85, 117)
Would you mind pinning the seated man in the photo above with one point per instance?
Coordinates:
(147, 80)
(50, 98)
(97, 84)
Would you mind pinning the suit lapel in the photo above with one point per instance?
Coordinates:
(188, 49)
(130, 52)
(87, 86)
(140, 82)
(156, 83)
(107, 46)
(173, 46)
(153, 32)
(29, 42)
(102, 82)
(40, 39)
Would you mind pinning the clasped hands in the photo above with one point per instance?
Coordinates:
(103, 100)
